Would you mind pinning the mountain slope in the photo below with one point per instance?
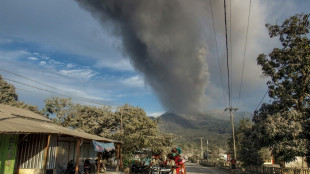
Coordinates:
(215, 125)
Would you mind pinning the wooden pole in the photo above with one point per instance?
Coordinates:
(77, 158)
(46, 153)
(98, 162)
(118, 157)
(233, 128)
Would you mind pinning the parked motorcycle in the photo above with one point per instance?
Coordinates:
(87, 166)
(70, 167)
(165, 170)
(102, 168)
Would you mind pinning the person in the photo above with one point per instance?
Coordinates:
(178, 161)
(233, 164)
(155, 160)
(170, 163)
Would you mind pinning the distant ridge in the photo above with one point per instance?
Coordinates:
(212, 124)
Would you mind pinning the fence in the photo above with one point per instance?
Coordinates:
(257, 169)
(274, 170)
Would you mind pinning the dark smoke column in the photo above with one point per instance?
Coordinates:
(163, 38)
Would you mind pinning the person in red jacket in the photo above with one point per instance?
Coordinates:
(178, 160)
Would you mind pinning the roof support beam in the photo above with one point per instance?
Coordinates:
(46, 153)
(77, 155)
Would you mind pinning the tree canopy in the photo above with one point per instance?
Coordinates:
(9, 96)
(7, 92)
(283, 124)
(128, 124)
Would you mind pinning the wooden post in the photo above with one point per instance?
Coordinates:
(98, 162)
(118, 157)
(46, 153)
(77, 153)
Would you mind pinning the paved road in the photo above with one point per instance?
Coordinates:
(192, 168)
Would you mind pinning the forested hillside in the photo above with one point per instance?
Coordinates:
(212, 125)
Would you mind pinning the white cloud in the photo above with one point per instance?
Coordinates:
(70, 65)
(32, 58)
(134, 81)
(85, 74)
(4, 41)
(42, 63)
(155, 114)
(81, 94)
(13, 55)
(51, 61)
(45, 57)
(120, 64)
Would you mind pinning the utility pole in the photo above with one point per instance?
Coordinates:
(121, 111)
(207, 149)
(201, 146)
(233, 128)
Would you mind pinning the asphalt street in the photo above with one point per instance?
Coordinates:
(192, 168)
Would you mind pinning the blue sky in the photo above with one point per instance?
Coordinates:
(59, 44)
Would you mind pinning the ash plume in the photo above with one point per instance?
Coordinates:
(164, 40)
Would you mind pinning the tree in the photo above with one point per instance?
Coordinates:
(7, 92)
(128, 124)
(248, 150)
(282, 125)
(9, 96)
(137, 131)
(61, 108)
(92, 119)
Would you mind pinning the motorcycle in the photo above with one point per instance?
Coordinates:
(165, 170)
(87, 166)
(70, 167)
(102, 168)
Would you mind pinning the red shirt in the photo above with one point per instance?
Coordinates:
(178, 162)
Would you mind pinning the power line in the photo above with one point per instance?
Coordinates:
(79, 98)
(231, 49)
(228, 79)
(245, 48)
(261, 100)
(217, 52)
(1, 69)
(260, 103)
(76, 97)
(36, 93)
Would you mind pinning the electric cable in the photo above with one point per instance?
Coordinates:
(78, 98)
(260, 103)
(231, 50)
(228, 79)
(4, 70)
(217, 52)
(245, 50)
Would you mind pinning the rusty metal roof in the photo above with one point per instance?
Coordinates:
(16, 120)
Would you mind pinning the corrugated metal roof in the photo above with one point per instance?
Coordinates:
(16, 120)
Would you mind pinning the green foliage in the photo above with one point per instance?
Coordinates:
(24, 105)
(128, 124)
(248, 150)
(283, 124)
(137, 131)
(62, 108)
(7, 92)
(8, 96)
(212, 125)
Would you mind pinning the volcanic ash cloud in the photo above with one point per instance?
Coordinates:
(163, 39)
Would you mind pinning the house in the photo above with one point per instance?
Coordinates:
(31, 143)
